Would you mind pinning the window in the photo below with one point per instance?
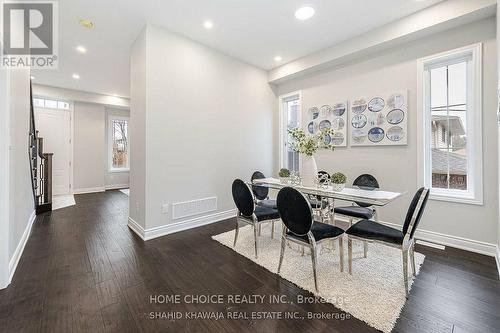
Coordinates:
(50, 104)
(289, 118)
(450, 122)
(119, 145)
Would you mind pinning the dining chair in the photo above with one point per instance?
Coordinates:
(249, 212)
(300, 227)
(261, 193)
(360, 210)
(371, 231)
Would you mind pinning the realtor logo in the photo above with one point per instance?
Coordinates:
(29, 34)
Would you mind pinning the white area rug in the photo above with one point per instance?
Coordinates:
(374, 293)
(125, 191)
(61, 201)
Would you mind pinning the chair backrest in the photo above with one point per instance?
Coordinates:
(295, 211)
(243, 197)
(415, 211)
(365, 182)
(260, 192)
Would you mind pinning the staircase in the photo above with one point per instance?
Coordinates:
(40, 166)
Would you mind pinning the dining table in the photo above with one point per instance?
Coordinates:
(374, 197)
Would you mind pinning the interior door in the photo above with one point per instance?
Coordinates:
(54, 126)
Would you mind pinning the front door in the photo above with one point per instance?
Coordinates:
(54, 126)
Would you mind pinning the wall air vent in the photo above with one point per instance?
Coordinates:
(194, 207)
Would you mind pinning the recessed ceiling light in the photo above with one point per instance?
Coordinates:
(76, 76)
(81, 49)
(304, 13)
(86, 23)
(278, 58)
(208, 24)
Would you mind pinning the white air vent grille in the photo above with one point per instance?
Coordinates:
(193, 207)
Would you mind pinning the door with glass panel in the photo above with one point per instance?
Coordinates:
(54, 125)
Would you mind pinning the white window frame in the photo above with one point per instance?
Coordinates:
(474, 193)
(112, 118)
(283, 123)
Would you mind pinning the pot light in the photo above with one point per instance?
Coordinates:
(304, 13)
(278, 58)
(81, 49)
(208, 25)
(76, 76)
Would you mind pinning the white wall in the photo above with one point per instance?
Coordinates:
(498, 131)
(121, 178)
(138, 103)
(396, 167)
(89, 147)
(80, 96)
(209, 120)
(21, 195)
(4, 178)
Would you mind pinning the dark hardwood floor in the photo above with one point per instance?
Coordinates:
(83, 270)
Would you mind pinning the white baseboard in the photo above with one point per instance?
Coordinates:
(14, 261)
(89, 190)
(117, 186)
(136, 227)
(147, 234)
(452, 241)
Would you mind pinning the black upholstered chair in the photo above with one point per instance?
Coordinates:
(360, 210)
(368, 230)
(248, 212)
(300, 227)
(261, 193)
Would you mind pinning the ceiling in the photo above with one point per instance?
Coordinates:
(254, 31)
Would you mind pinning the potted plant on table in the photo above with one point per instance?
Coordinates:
(307, 145)
(284, 175)
(338, 181)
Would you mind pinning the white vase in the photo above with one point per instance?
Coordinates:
(309, 170)
(338, 187)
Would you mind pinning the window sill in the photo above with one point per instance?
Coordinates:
(456, 199)
(119, 170)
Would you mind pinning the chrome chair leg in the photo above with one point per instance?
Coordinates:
(236, 231)
(341, 253)
(365, 249)
(272, 230)
(313, 258)
(255, 232)
(302, 251)
(282, 252)
(260, 229)
(349, 253)
(405, 270)
(412, 258)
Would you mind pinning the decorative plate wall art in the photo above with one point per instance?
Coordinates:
(333, 117)
(379, 120)
(313, 113)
